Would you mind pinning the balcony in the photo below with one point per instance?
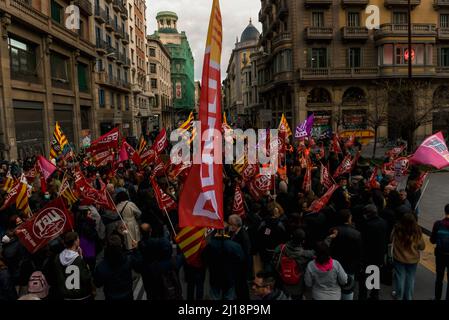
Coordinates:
(101, 46)
(84, 5)
(120, 58)
(117, 4)
(354, 3)
(283, 12)
(109, 24)
(401, 3)
(283, 38)
(319, 33)
(338, 73)
(100, 15)
(104, 78)
(111, 53)
(125, 38)
(401, 30)
(317, 3)
(127, 63)
(354, 33)
(118, 33)
(442, 71)
(441, 4)
(135, 88)
(443, 34)
(124, 13)
(402, 71)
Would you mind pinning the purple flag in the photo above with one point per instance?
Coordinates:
(305, 128)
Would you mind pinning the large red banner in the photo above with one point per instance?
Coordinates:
(106, 141)
(47, 224)
(201, 199)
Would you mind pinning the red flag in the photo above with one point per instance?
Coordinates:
(106, 141)
(325, 178)
(395, 152)
(335, 145)
(387, 168)
(46, 225)
(161, 142)
(372, 182)
(420, 181)
(249, 171)
(201, 198)
(159, 168)
(344, 167)
(46, 168)
(147, 157)
(319, 204)
(12, 194)
(355, 160)
(90, 195)
(238, 207)
(164, 201)
(259, 186)
(31, 174)
(433, 151)
(103, 158)
(123, 154)
(350, 142)
(127, 152)
(307, 182)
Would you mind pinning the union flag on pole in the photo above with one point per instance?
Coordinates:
(164, 201)
(319, 204)
(127, 152)
(46, 168)
(344, 167)
(284, 128)
(325, 178)
(161, 142)
(433, 151)
(201, 198)
(89, 195)
(238, 207)
(260, 185)
(106, 141)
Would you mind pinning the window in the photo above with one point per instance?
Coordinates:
(22, 58)
(56, 12)
(318, 58)
(58, 64)
(152, 68)
(353, 19)
(131, 33)
(317, 19)
(109, 40)
(119, 102)
(444, 20)
(400, 18)
(152, 52)
(83, 84)
(101, 100)
(126, 103)
(118, 74)
(132, 56)
(99, 65)
(153, 83)
(444, 57)
(115, 22)
(355, 57)
(112, 100)
(98, 36)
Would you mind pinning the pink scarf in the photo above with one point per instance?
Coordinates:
(326, 266)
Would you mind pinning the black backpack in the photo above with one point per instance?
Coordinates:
(442, 239)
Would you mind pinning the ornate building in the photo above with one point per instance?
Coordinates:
(238, 83)
(46, 75)
(182, 63)
(318, 56)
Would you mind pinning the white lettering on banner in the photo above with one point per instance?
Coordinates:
(198, 210)
(49, 223)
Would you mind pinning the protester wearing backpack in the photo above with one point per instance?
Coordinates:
(440, 237)
(290, 261)
(37, 286)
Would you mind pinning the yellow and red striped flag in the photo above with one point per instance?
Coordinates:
(191, 241)
(58, 143)
(9, 182)
(284, 128)
(66, 192)
(142, 145)
(188, 126)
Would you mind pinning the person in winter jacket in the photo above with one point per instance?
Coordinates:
(114, 273)
(264, 287)
(130, 214)
(440, 237)
(347, 249)
(294, 249)
(70, 263)
(7, 290)
(325, 275)
(407, 242)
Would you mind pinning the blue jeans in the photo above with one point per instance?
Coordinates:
(404, 279)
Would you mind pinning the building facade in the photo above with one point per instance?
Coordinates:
(140, 87)
(46, 75)
(182, 63)
(159, 71)
(319, 56)
(110, 28)
(238, 83)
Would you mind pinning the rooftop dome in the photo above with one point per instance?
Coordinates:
(250, 33)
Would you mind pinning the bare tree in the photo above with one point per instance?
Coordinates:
(377, 114)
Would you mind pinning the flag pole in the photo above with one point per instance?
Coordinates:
(121, 218)
(422, 193)
(169, 220)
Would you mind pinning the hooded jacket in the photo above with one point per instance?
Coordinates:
(63, 261)
(326, 280)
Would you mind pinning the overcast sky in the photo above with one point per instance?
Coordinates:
(194, 19)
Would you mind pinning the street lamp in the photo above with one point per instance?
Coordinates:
(409, 12)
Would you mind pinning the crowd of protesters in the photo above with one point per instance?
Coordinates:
(277, 250)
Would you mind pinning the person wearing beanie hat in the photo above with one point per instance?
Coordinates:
(37, 285)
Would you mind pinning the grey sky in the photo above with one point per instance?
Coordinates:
(194, 19)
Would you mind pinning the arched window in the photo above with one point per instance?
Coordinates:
(319, 95)
(354, 96)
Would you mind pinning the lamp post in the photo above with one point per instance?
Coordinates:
(410, 56)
